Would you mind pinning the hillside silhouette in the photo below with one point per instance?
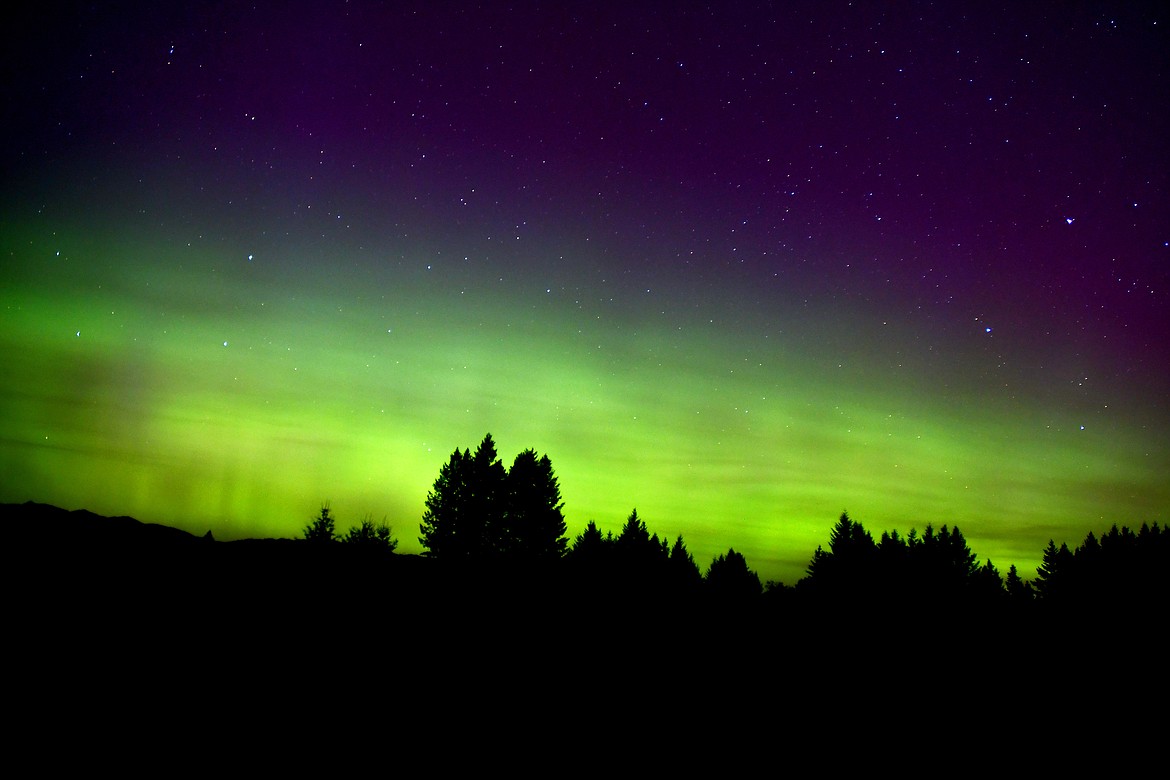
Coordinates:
(923, 581)
(505, 604)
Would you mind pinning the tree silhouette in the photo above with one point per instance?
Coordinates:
(445, 506)
(372, 536)
(1018, 589)
(591, 561)
(640, 554)
(730, 578)
(590, 545)
(985, 585)
(935, 569)
(634, 534)
(847, 567)
(849, 538)
(465, 507)
(683, 570)
(1122, 568)
(321, 529)
(534, 527)
(1053, 576)
(943, 565)
(476, 509)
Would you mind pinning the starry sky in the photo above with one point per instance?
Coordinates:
(739, 267)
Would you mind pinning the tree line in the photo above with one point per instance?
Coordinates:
(479, 511)
(367, 534)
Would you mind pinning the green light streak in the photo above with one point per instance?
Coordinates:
(236, 396)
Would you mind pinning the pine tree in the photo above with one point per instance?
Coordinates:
(371, 535)
(446, 507)
(849, 539)
(465, 508)
(321, 529)
(589, 542)
(683, 568)
(985, 585)
(534, 526)
(640, 553)
(1018, 589)
(477, 509)
(729, 577)
(961, 560)
(848, 566)
(634, 534)
(486, 500)
(1053, 575)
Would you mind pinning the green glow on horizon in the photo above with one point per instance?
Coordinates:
(236, 396)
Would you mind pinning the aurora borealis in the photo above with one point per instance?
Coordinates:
(741, 268)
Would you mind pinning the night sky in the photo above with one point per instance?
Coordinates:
(739, 267)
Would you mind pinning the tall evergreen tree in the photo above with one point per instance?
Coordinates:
(591, 559)
(464, 510)
(849, 539)
(322, 529)
(477, 509)
(985, 586)
(634, 534)
(590, 541)
(441, 529)
(848, 566)
(1052, 576)
(1018, 589)
(961, 559)
(729, 577)
(640, 559)
(534, 526)
(371, 535)
(944, 565)
(683, 568)
(488, 500)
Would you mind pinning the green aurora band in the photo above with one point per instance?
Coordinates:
(186, 383)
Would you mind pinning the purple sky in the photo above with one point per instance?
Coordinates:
(962, 206)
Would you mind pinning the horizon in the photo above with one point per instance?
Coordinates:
(341, 530)
(742, 270)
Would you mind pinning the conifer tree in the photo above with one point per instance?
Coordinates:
(985, 585)
(464, 510)
(534, 526)
(446, 507)
(683, 568)
(730, 577)
(477, 509)
(1018, 589)
(321, 530)
(1052, 576)
(849, 565)
(634, 534)
(589, 542)
(371, 535)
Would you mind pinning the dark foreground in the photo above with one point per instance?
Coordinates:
(102, 609)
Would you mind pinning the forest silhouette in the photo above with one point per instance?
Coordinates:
(503, 589)
(506, 525)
